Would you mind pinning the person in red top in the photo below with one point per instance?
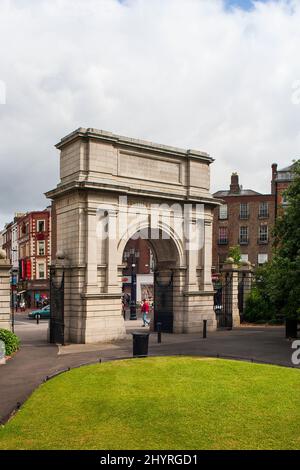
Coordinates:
(145, 311)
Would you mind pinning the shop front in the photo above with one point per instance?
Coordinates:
(34, 293)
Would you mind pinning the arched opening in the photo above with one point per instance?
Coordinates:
(149, 270)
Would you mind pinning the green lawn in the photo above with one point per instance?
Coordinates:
(162, 403)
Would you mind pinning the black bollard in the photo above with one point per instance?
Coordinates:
(204, 328)
(158, 326)
(37, 319)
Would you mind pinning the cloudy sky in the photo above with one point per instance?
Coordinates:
(216, 75)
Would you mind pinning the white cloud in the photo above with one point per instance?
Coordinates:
(180, 72)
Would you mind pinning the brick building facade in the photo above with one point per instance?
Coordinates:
(246, 219)
(281, 180)
(7, 241)
(34, 238)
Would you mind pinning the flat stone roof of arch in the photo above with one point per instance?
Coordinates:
(128, 141)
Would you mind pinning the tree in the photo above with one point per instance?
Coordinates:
(276, 290)
(285, 267)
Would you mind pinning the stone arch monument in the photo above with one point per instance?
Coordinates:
(113, 188)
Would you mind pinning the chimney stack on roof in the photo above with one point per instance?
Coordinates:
(235, 187)
(274, 176)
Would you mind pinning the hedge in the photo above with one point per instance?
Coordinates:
(11, 341)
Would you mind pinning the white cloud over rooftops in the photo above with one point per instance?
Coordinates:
(185, 73)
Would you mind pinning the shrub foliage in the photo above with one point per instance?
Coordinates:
(10, 340)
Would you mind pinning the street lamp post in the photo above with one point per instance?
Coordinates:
(13, 296)
(133, 294)
(131, 258)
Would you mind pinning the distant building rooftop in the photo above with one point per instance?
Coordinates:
(287, 168)
(236, 189)
(242, 192)
(285, 174)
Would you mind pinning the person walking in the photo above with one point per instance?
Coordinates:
(145, 311)
(22, 305)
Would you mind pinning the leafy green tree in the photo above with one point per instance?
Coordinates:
(285, 272)
(276, 290)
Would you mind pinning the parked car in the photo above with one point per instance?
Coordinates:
(43, 312)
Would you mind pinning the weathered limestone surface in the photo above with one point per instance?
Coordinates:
(232, 288)
(5, 310)
(96, 169)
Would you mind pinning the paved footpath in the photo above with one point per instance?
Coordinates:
(37, 359)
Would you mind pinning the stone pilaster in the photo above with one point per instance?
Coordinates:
(192, 257)
(235, 300)
(91, 252)
(5, 295)
(232, 292)
(207, 252)
(112, 250)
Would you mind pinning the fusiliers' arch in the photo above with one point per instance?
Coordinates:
(110, 189)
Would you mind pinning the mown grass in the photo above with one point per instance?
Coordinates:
(162, 403)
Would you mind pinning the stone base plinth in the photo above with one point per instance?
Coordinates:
(5, 323)
(199, 307)
(100, 319)
(236, 319)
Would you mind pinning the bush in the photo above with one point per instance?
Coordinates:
(11, 341)
(235, 253)
(258, 308)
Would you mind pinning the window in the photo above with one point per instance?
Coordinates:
(262, 258)
(41, 271)
(22, 251)
(223, 212)
(223, 238)
(41, 248)
(244, 210)
(285, 176)
(263, 234)
(263, 210)
(24, 229)
(284, 199)
(243, 235)
(244, 257)
(40, 226)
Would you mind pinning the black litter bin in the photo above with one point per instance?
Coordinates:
(140, 344)
(291, 326)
